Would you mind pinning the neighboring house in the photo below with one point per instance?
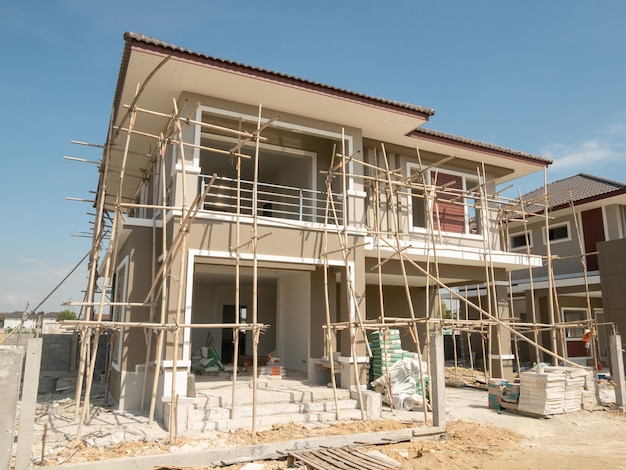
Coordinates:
(583, 210)
(14, 320)
(297, 155)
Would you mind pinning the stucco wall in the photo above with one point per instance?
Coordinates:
(612, 261)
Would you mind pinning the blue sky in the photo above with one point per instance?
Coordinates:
(545, 77)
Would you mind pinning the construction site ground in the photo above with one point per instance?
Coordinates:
(476, 438)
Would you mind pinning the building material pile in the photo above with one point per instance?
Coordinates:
(503, 394)
(404, 382)
(387, 350)
(552, 390)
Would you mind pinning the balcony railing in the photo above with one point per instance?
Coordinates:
(273, 200)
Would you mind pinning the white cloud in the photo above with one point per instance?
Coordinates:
(595, 155)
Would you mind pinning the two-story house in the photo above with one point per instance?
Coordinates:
(238, 194)
(583, 210)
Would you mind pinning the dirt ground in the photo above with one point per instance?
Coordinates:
(477, 438)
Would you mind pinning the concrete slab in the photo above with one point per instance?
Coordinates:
(10, 376)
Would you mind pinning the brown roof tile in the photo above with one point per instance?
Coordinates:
(576, 189)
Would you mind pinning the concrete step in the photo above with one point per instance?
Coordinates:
(207, 398)
(267, 421)
(244, 411)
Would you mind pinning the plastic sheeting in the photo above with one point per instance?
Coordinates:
(406, 386)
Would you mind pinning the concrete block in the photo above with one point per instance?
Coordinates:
(183, 412)
(372, 402)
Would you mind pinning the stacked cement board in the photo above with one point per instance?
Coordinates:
(551, 390)
(387, 350)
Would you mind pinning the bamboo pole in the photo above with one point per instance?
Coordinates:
(382, 332)
(491, 277)
(237, 289)
(181, 283)
(164, 288)
(530, 274)
(327, 331)
(350, 294)
(553, 338)
(431, 236)
(589, 314)
(255, 278)
(469, 338)
(407, 289)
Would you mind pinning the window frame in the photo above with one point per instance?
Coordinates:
(528, 236)
(412, 168)
(546, 233)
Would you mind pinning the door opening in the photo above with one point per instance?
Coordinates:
(228, 345)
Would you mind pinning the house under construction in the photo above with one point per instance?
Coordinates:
(243, 214)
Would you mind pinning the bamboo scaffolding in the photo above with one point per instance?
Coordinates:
(107, 275)
(390, 235)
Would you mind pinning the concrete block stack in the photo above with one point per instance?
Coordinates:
(552, 390)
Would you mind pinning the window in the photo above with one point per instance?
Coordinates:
(558, 233)
(521, 240)
(573, 315)
(472, 206)
(418, 207)
(456, 208)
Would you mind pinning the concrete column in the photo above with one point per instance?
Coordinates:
(318, 310)
(29, 402)
(501, 356)
(344, 315)
(437, 376)
(10, 375)
(617, 370)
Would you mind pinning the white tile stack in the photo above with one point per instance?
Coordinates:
(552, 390)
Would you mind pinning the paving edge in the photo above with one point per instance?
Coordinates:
(218, 457)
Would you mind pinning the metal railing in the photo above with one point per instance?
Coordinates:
(273, 200)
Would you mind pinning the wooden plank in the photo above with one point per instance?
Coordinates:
(325, 456)
(345, 458)
(387, 463)
(312, 461)
(357, 461)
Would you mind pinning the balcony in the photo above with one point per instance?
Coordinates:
(273, 200)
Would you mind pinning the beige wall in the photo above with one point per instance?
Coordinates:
(294, 312)
(612, 260)
(208, 302)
